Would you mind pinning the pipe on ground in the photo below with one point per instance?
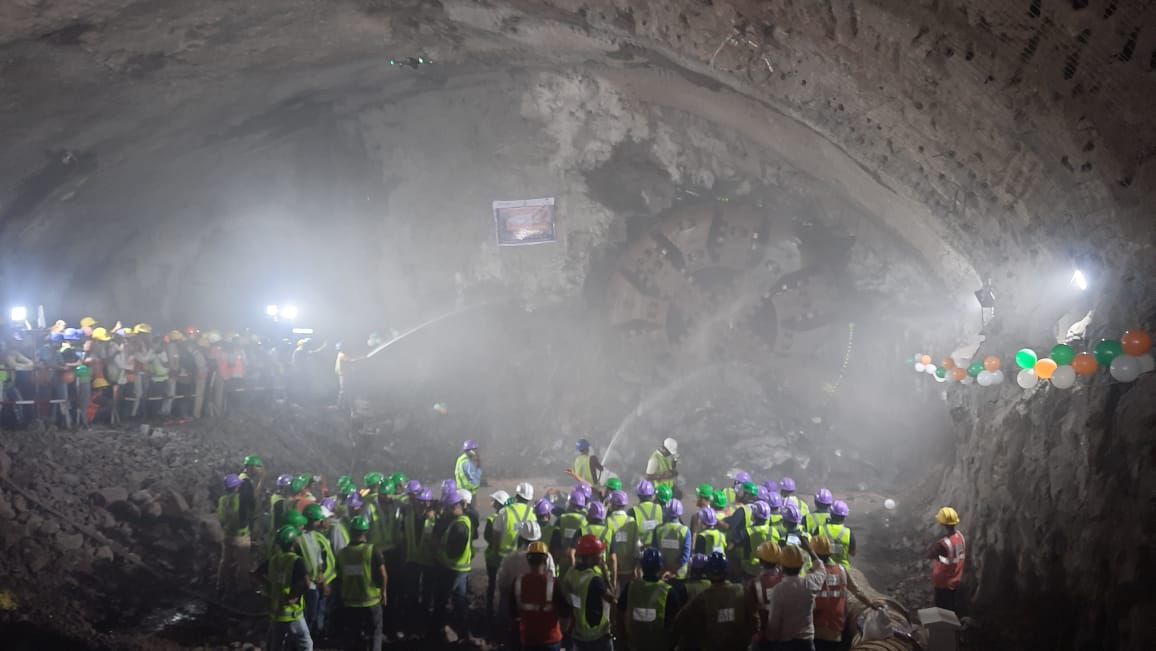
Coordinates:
(900, 620)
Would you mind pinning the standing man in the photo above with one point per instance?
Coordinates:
(947, 555)
(587, 467)
(468, 468)
(759, 592)
(661, 468)
(791, 623)
(817, 518)
(235, 546)
(624, 546)
(361, 587)
(831, 602)
(647, 514)
(673, 541)
(498, 501)
(718, 616)
(454, 533)
(647, 607)
(537, 604)
(590, 597)
(841, 536)
(284, 575)
(320, 567)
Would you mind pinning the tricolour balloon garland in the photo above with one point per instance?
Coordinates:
(1125, 358)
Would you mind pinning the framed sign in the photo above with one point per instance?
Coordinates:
(527, 221)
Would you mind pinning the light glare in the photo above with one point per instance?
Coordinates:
(302, 331)
(19, 313)
(1079, 281)
(289, 312)
(271, 310)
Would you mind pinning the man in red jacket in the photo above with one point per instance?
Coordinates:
(947, 556)
(537, 603)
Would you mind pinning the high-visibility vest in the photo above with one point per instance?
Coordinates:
(423, 553)
(582, 468)
(756, 535)
(338, 537)
(766, 581)
(516, 514)
(547, 528)
(328, 562)
(280, 585)
(840, 537)
(229, 515)
(716, 541)
(646, 616)
(647, 516)
(460, 476)
(723, 604)
(569, 524)
(624, 540)
(276, 511)
(602, 532)
(577, 584)
(310, 549)
(669, 538)
(802, 504)
(491, 552)
(814, 520)
(777, 531)
(384, 531)
(947, 570)
(662, 463)
(831, 602)
(461, 562)
(694, 587)
(537, 618)
(357, 587)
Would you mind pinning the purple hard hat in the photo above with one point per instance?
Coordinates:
(449, 499)
(583, 488)
(329, 503)
(449, 488)
(232, 481)
(543, 507)
(760, 510)
(698, 561)
(353, 500)
(742, 477)
(771, 485)
(840, 509)
(707, 517)
(763, 495)
(284, 479)
(413, 487)
(644, 489)
(824, 496)
(791, 513)
(673, 509)
(787, 484)
(596, 511)
(618, 498)
(470, 444)
(775, 502)
(578, 499)
(424, 495)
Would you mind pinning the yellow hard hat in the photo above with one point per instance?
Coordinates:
(947, 515)
(142, 328)
(59, 326)
(88, 322)
(821, 545)
(302, 342)
(100, 334)
(769, 552)
(203, 341)
(538, 547)
(791, 557)
(176, 335)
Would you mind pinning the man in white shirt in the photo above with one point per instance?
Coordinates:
(516, 564)
(791, 604)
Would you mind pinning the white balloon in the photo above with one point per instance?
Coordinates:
(919, 367)
(997, 376)
(1147, 364)
(929, 369)
(985, 379)
(967, 380)
(1027, 378)
(941, 380)
(1125, 368)
(1064, 377)
(889, 504)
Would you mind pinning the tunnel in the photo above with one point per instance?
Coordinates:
(804, 238)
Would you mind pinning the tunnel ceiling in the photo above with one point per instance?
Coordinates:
(982, 134)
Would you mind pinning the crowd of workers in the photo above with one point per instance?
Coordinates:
(750, 565)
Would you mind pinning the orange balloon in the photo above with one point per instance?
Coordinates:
(926, 359)
(991, 363)
(958, 374)
(1045, 367)
(1136, 342)
(947, 363)
(1085, 364)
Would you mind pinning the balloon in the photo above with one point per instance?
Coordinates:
(974, 368)
(1063, 354)
(941, 372)
(1064, 377)
(1125, 368)
(1085, 364)
(1106, 350)
(889, 504)
(926, 359)
(947, 363)
(1026, 358)
(919, 367)
(958, 374)
(929, 369)
(940, 380)
(1136, 342)
(991, 363)
(984, 379)
(967, 380)
(997, 377)
(1147, 364)
(1045, 367)
(1027, 378)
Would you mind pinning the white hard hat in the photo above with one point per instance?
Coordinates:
(525, 490)
(529, 530)
(501, 497)
(325, 512)
(464, 496)
(671, 445)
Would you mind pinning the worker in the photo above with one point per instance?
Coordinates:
(386, 536)
(596, 526)
(647, 607)
(277, 502)
(759, 592)
(704, 493)
(775, 502)
(841, 536)
(236, 544)
(662, 467)
(493, 559)
(787, 489)
(738, 477)
(343, 367)
(453, 534)
(673, 541)
(299, 489)
(510, 518)
(737, 528)
(284, 577)
(612, 484)
(587, 466)
(320, 567)
(647, 513)
(624, 540)
(537, 604)
(544, 516)
(757, 532)
(817, 518)
(696, 580)
(589, 594)
(569, 530)
(791, 623)
(830, 613)
(722, 507)
(337, 531)
(468, 468)
(710, 539)
(296, 520)
(252, 477)
(361, 589)
(514, 565)
(420, 566)
(663, 494)
(354, 505)
(947, 556)
(793, 534)
(718, 617)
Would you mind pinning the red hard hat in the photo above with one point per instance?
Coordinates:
(589, 545)
(192, 330)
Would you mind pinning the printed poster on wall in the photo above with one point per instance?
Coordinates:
(523, 222)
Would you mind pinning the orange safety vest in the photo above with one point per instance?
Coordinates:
(947, 570)
(238, 365)
(762, 585)
(831, 602)
(537, 618)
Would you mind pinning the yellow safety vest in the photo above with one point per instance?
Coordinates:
(582, 468)
(280, 584)
(357, 587)
(662, 463)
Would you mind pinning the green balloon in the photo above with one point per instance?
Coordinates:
(974, 368)
(1026, 358)
(940, 372)
(1106, 350)
(910, 361)
(1063, 354)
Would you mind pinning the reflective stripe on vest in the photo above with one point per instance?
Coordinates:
(460, 476)
(670, 537)
(831, 602)
(582, 468)
(547, 606)
(646, 615)
(625, 540)
(516, 514)
(716, 541)
(328, 562)
(583, 632)
(569, 525)
(756, 536)
(647, 515)
(357, 588)
(815, 520)
(280, 584)
(461, 563)
(840, 543)
(947, 570)
(662, 463)
(311, 553)
(229, 515)
(338, 537)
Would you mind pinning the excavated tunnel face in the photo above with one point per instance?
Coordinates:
(761, 209)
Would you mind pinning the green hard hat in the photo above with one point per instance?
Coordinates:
(665, 493)
(344, 480)
(750, 488)
(388, 487)
(287, 534)
(253, 460)
(313, 513)
(614, 484)
(294, 518)
(705, 491)
(359, 523)
(509, 501)
(372, 479)
(298, 484)
(719, 500)
(399, 478)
